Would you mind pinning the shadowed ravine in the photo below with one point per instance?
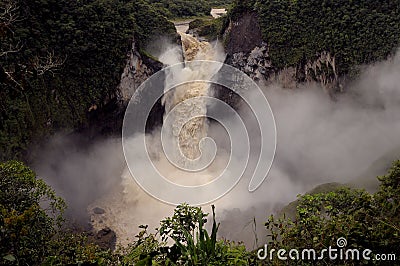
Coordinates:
(128, 206)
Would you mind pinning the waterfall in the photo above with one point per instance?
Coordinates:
(187, 135)
(128, 206)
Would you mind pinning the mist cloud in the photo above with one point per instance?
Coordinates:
(319, 141)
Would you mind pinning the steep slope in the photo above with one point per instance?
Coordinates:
(61, 63)
(310, 40)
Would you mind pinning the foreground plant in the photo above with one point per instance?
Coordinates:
(30, 214)
(366, 221)
(192, 243)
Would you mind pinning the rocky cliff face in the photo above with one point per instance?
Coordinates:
(138, 68)
(108, 119)
(245, 48)
(247, 51)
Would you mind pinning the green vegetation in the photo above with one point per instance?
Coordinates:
(240, 7)
(193, 245)
(30, 224)
(59, 58)
(367, 221)
(355, 32)
(30, 232)
(187, 8)
(25, 226)
(208, 28)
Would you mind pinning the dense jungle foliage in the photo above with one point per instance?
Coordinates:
(31, 234)
(366, 221)
(187, 9)
(60, 58)
(211, 29)
(355, 32)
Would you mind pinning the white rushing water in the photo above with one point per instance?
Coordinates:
(128, 206)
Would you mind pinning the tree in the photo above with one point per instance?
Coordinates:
(297, 32)
(192, 244)
(59, 58)
(30, 214)
(366, 221)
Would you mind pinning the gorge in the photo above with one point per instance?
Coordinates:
(307, 119)
(71, 70)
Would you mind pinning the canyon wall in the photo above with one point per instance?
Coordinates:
(247, 51)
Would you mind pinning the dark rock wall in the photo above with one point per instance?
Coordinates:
(247, 51)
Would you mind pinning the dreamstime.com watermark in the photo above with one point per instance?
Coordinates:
(332, 253)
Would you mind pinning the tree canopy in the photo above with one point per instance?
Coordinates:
(187, 8)
(355, 32)
(366, 221)
(59, 58)
(30, 215)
